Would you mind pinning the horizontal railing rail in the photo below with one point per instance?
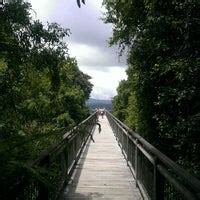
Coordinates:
(156, 175)
(54, 167)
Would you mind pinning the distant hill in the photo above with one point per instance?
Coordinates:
(98, 103)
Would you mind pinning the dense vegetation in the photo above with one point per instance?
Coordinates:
(161, 98)
(42, 91)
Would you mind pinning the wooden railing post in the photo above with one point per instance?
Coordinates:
(136, 162)
(63, 165)
(43, 193)
(65, 151)
(131, 153)
(158, 183)
(127, 148)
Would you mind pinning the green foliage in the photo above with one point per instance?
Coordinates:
(161, 97)
(43, 92)
(120, 102)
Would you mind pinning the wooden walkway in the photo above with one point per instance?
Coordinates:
(102, 172)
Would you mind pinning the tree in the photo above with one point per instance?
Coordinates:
(43, 92)
(163, 44)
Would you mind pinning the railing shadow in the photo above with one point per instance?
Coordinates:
(70, 190)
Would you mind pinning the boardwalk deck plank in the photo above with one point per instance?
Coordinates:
(102, 172)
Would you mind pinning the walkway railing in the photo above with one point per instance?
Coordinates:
(54, 167)
(157, 176)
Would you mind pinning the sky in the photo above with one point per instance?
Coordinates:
(88, 41)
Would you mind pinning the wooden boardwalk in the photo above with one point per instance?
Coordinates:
(102, 172)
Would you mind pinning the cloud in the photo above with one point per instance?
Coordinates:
(85, 23)
(102, 93)
(88, 41)
(95, 57)
(42, 9)
(105, 81)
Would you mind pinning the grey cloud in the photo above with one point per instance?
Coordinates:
(96, 56)
(88, 29)
(84, 23)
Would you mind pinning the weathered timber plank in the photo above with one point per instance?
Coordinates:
(102, 171)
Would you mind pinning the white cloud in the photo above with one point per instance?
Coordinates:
(105, 82)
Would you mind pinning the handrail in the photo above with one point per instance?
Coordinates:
(55, 165)
(170, 181)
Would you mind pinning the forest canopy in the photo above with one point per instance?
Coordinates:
(161, 97)
(43, 92)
